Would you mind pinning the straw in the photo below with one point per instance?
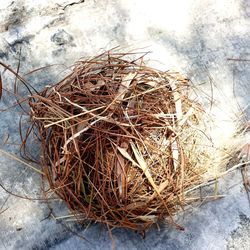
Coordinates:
(120, 143)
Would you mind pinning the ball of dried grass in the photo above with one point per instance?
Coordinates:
(119, 141)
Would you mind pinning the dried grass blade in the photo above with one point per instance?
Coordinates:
(79, 133)
(72, 117)
(186, 116)
(177, 99)
(126, 81)
(21, 161)
(144, 167)
(175, 153)
(120, 171)
(125, 154)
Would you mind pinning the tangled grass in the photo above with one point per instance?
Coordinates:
(122, 143)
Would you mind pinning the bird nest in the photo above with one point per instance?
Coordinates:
(120, 141)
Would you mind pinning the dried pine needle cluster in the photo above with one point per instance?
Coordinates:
(120, 141)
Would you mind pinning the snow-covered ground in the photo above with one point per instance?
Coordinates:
(194, 37)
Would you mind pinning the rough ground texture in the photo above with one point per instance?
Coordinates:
(194, 37)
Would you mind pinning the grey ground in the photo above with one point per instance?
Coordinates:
(194, 37)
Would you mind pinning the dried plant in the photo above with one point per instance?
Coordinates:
(122, 143)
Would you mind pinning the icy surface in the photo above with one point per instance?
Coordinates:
(194, 37)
